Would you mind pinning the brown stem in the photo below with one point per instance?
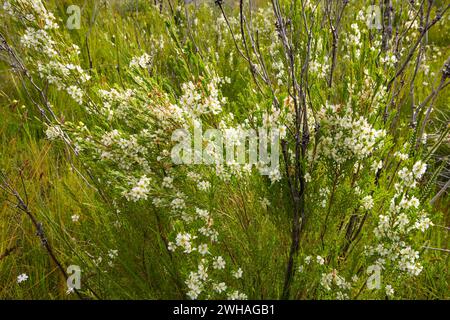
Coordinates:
(22, 206)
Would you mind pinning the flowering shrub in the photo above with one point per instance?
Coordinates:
(349, 192)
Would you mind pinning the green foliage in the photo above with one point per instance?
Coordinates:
(85, 200)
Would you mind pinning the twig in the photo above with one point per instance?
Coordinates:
(440, 193)
(416, 44)
(437, 249)
(22, 206)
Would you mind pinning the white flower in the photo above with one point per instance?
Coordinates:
(203, 249)
(195, 286)
(419, 169)
(326, 281)
(407, 177)
(76, 49)
(308, 259)
(204, 185)
(21, 278)
(184, 240)
(274, 175)
(236, 295)
(75, 93)
(143, 61)
(140, 190)
(424, 138)
(53, 132)
(320, 260)
(282, 131)
(350, 137)
(112, 254)
(202, 272)
(401, 156)
(341, 296)
(219, 287)
(203, 214)
(219, 263)
(389, 290)
(238, 273)
(414, 202)
(194, 176)
(307, 177)
(167, 182)
(367, 202)
(423, 223)
(377, 166)
(75, 218)
(178, 204)
(171, 246)
(265, 203)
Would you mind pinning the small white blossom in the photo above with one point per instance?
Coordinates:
(389, 290)
(21, 278)
(143, 61)
(218, 263)
(112, 254)
(419, 169)
(167, 182)
(307, 177)
(75, 93)
(320, 260)
(184, 240)
(236, 295)
(308, 260)
(204, 185)
(238, 273)
(377, 165)
(203, 249)
(53, 132)
(367, 202)
(171, 246)
(265, 203)
(219, 287)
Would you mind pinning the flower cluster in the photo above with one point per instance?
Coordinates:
(349, 137)
(45, 46)
(403, 218)
(195, 103)
(333, 280)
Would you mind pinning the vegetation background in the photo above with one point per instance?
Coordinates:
(111, 34)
